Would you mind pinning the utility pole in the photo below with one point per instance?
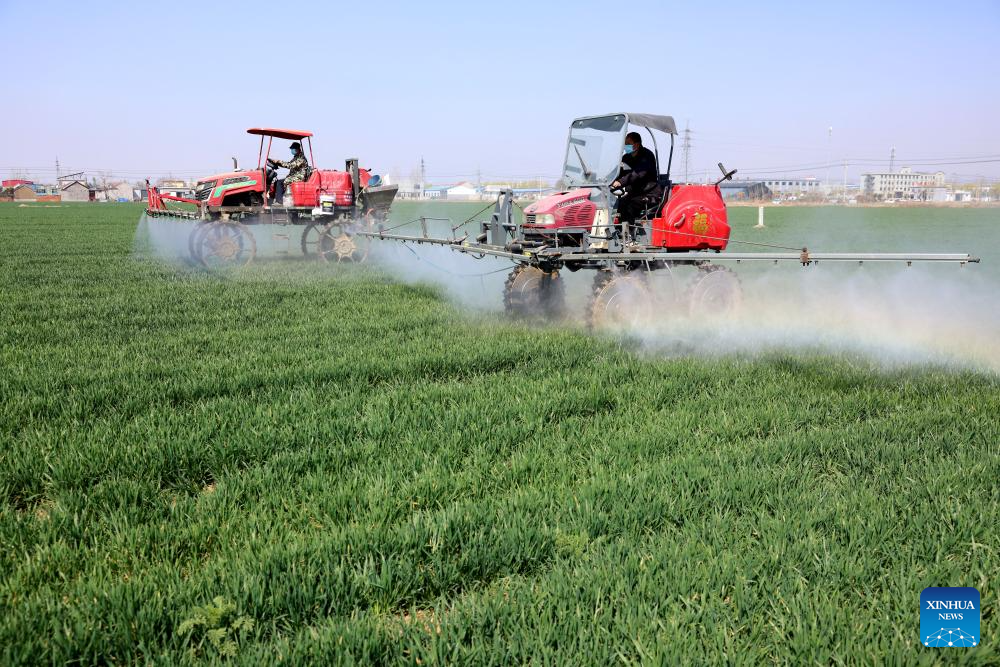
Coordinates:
(845, 181)
(686, 147)
(829, 156)
(57, 170)
(423, 176)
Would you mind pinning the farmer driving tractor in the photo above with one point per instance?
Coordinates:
(298, 171)
(639, 183)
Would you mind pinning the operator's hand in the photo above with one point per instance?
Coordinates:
(616, 185)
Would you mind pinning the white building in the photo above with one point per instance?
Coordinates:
(904, 184)
(794, 186)
(462, 192)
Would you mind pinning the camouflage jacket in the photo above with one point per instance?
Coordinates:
(297, 168)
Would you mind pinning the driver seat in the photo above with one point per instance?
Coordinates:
(654, 207)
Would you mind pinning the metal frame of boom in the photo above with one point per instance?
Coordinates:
(501, 237)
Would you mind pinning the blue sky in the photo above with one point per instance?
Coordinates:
(146, 88)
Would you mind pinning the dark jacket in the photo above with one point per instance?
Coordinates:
(641, 177)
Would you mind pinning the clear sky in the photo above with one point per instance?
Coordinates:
(146, 88)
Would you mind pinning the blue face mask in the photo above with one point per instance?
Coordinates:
(628, 149)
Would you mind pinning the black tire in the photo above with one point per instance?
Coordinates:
(531, 292)
(715, 291)
(620, 299)
(338, 243)
(193, 240)
(310, 239)
(225, 243)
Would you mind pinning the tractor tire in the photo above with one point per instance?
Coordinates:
(193, 240)
(338, 243)
(620, 300)
(224, 243)
(533, 293)
(310, 239)
(714, 292)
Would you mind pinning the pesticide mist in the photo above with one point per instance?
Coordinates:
(885, 314)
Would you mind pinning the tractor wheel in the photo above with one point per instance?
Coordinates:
(193, 240)
(530, 292)
(310, 239)
(225, 243)
(339, 243)
(620, 299)
(715, 291)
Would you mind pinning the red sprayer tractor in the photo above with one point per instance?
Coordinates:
(683, 232)
(330, 206)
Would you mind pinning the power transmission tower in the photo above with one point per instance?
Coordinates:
(892, 158)
(686, 147)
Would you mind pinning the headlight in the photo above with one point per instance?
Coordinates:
(545, 219)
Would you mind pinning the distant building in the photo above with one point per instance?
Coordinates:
(25, 192)
(47, 193)
(961, 195)
(436, 192)
(176, 189)
(462, 192)
(14, 182)
(745, 191)
(123, 191)
(793, 186)
(904, 184)
(76, 191)
(531, 193)
(408, 189)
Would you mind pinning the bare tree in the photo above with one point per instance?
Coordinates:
(103, 178)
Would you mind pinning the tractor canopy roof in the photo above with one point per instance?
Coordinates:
(652, 121)
(279, 133)
(594, 148)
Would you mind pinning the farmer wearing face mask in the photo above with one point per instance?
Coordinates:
(298, 170)
(639, 181)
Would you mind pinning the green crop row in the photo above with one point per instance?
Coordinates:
(316, 464)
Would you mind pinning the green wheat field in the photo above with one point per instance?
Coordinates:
(320, 464)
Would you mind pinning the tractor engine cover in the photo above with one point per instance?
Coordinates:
(563, 209)
(693, 219)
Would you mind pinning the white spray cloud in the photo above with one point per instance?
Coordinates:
(890, 314)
